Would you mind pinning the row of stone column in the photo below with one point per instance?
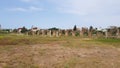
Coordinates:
(52, 33)
(82, 33)
(109, 34)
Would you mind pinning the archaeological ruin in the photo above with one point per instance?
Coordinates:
(111, 32)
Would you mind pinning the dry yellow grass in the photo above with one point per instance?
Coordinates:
(62, 52)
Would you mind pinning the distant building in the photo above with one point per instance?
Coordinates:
(19, 30)
(34, 29)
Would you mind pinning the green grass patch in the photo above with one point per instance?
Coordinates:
(109, 41)
(28, 40)
(14, 39)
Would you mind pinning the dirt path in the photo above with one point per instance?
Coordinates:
(49, 56)
(57, 56)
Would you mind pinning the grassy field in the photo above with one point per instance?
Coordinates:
(20, 51)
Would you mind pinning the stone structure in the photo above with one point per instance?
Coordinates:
(84, 32)
(66, 32)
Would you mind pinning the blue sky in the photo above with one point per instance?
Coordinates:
(59, 13)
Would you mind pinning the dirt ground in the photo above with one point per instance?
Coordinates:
(58, 56)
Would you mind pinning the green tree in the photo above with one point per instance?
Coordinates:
(24, 29)
(14, 30)
(75, 28)
(54, 28)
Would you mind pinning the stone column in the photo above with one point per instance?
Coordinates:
(32, 32)
(43, 33)
(60, 33)
(57, 34)
(38, 32)
(118, 33)
(81, 33)
(66, 32)
(106, 34)
(73, 33)
(49, 33)
(99, 34)
(90, 34)
(54, 33)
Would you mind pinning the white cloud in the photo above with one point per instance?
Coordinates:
(17, 9)
(71, 11)
(82, 7)
(32, 8)
(29, 9)
(91, 12)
